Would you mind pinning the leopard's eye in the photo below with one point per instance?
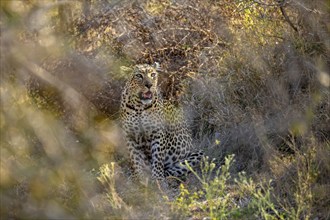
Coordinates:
(139, 76)
(153, 74)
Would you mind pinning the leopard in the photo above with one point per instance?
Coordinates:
(155, 130)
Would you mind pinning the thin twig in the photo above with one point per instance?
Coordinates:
(286, 17)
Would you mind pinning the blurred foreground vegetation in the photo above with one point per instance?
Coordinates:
(253, 77)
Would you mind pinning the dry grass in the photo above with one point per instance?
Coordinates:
(252, 76)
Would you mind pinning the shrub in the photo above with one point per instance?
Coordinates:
(252, 76)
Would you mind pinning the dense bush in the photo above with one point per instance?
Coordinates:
(252, 77)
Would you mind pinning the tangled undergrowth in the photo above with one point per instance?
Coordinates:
(252, 77)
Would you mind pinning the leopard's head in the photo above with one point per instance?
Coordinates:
(143, 84)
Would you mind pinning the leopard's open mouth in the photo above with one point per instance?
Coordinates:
(146, 97)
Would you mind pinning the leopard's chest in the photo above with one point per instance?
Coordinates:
(143, 124)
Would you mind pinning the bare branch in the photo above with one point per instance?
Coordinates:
(286, 17)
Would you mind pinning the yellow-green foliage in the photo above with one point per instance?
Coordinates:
(224, 197)
(107, 178)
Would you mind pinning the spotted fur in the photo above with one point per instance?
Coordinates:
(156, 132)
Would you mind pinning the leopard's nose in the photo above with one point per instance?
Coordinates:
(148, 84)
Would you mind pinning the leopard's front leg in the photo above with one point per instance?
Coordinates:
(137, 158)
(158, 154)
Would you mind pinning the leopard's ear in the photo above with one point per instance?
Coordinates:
(156, 65)
(124, 70)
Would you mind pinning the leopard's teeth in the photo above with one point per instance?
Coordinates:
(146, 101)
